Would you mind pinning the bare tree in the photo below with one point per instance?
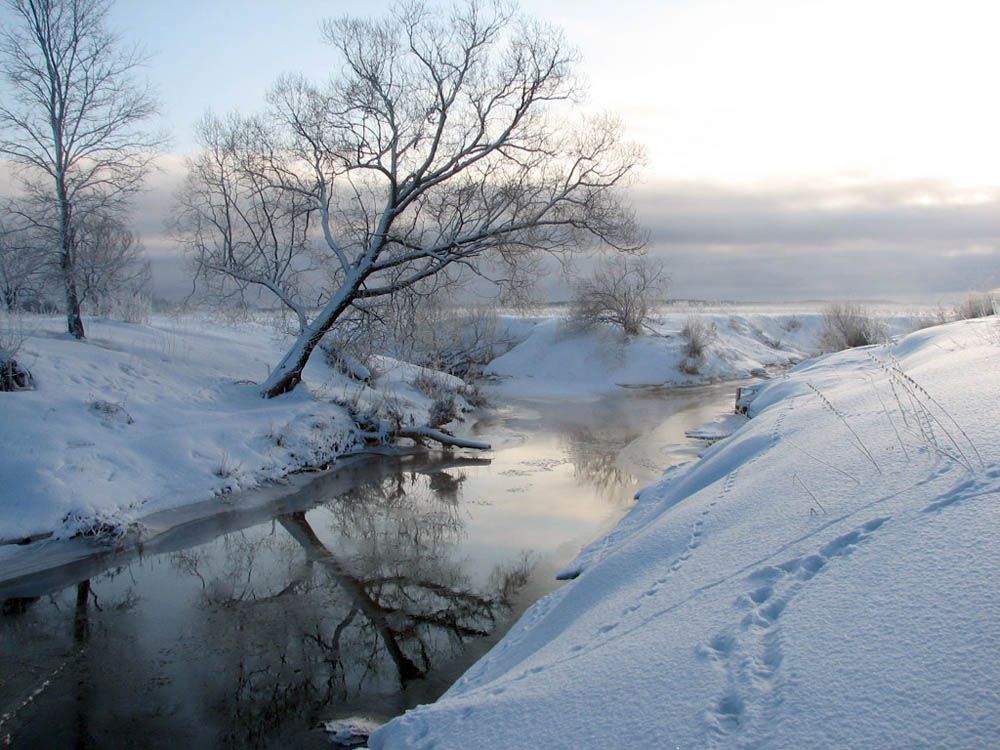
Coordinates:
(244, 233)
(446, 139)
(22, 267)
(72, 118)
(621, 292)
(108, 263)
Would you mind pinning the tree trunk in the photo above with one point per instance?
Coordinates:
(74, 322)
(288, 373)
(67, 256)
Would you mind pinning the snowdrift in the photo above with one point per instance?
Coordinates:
(825, 577)
(556, 359)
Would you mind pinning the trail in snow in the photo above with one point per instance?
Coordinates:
(749, 654)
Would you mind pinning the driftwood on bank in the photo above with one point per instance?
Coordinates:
(420, 434)
(429, 433)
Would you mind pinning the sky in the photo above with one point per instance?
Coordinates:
(796, 148)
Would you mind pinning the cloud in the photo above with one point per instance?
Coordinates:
(843, 236)
(819, 213)
(846, 236)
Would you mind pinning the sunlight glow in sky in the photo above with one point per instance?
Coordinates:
(715, 89)
(760, 117)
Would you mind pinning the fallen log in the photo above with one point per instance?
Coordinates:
(420, 434)
(429, 433)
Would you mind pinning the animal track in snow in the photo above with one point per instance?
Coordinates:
(986, 484)
(697, 527)
(749, 654)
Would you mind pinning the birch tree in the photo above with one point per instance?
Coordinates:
(445, 138)
(72, 117)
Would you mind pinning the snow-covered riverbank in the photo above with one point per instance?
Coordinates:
(554, 360)
(139, 419)
(826, 577)
(143, 418)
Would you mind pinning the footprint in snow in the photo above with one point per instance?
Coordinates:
(749, 655)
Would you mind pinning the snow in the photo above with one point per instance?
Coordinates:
(349, 732)
(722, 427)
(140, 419)
(824, 577)
(554, 359)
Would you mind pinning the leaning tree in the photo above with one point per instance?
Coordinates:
(71, 117)
(447, 138)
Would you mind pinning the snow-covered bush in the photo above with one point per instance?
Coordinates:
(98, 526)
(128, 307)
(974, 306)
(622, 292)
(922, 320)
(13, 376)
(423, 327)
(698, 336)
(794, 323)
(12, 334)
(442, 411)
(446, 397)
(847, 325)
(347, 356)
(460, 341)
(226, 468)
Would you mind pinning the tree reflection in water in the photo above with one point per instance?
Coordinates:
(595, 462)
(374, 600)
(358, 598)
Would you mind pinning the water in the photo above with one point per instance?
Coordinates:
(366, 593)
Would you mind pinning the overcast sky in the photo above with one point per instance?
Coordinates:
(797, 148)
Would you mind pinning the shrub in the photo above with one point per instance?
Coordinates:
(423, 330)
(847, 325)
(13, 376)
(622, 292)
(794, 323)
(442, 411)
(460, 341)
(698, 336)
(976, 305)
(921, 320)
(346, 357)
(130, 308)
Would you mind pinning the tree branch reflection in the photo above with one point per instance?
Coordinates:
(360, 597)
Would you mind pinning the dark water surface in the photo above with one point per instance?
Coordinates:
(367, 592)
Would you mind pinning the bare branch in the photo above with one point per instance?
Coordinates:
(445, 139)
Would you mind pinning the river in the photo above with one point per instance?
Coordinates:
(366, 592)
